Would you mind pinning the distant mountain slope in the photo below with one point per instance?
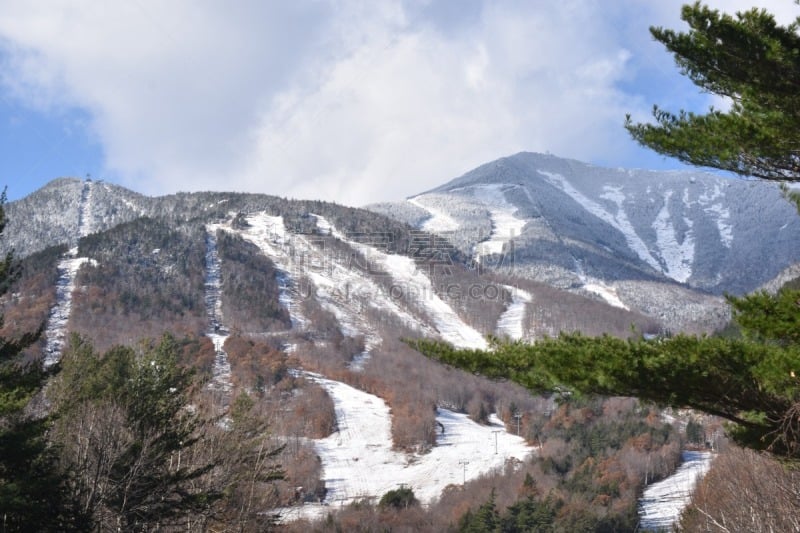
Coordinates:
(64, 210)
(352, 270)
(574, 225)
(571, 219)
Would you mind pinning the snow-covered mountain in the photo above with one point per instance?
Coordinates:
(630, 237)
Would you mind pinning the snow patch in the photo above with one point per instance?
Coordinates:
(607, 293)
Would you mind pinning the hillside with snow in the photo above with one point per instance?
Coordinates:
(618, 235)
(359, 463)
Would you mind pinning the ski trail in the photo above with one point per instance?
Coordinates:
(678, 255)
(55, 332)
(359, 462)
(85, 212)
(661, 504)
(221, 374)
(339, 287)
(618, 220)
(512, 322)
(56, 329)
(268, 233)
(413, 283)
(505, 224)
(439, 221)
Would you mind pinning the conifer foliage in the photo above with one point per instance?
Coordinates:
(754, 63)
(127, 434)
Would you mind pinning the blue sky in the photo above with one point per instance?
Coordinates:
(341, 100)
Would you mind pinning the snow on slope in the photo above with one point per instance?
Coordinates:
(358, 461)
(662, 502)
(599, 287)
(56, 330)
(505, 225)
(439, 220)
(133, 207)
(607, 293)
(269, 235)
(410, 281)
(678, 256)
(619, 220)
(341, 289)
(85, 212)
(446, 321)
(221, 373)
(511, 323)
(722, 213)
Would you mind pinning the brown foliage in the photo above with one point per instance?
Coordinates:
(745, 491)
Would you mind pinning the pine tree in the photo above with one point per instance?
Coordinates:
(754, 63)
(486, 519)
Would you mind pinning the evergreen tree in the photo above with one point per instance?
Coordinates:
(486, 519)
(755, 63)
(127, 431)
(32, 495)
(399, 498)
(530, 516)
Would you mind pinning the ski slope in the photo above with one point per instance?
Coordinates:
(505, 224)
(618, 220)
(662, 503)
(56, 329)
(412, 283)
(678, 255)
(358, 461)
(221, 373)
(511, 323)
(439, 221)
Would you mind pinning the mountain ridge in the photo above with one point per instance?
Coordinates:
(690, 227)
(584, 234)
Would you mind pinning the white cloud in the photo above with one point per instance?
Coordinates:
(341, 100)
